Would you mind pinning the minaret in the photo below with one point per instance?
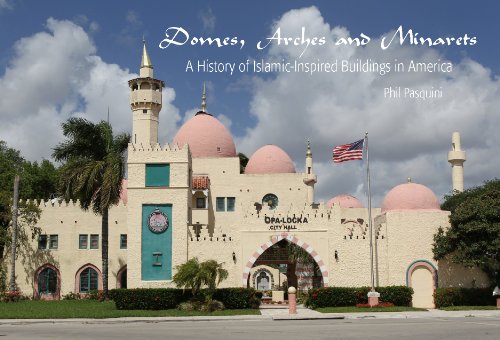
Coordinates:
(456, 157)
(145, 102)
(310, 178)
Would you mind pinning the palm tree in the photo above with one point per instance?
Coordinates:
(194, 275)
(93, 170)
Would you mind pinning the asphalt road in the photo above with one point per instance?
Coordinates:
(432, 328)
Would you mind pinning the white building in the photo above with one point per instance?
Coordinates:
(189, 199)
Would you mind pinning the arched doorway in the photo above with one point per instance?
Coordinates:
(121, 278)
(422, 277)
(296, 271)
(47, 285)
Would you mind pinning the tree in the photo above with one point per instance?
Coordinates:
(93, 172)
(474, 236)
(193, 275)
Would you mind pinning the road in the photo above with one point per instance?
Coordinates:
(431, 328)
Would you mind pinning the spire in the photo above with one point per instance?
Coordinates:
(145, 62)
(309, 153)
(204, 99)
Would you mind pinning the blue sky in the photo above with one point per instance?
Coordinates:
(110, 41)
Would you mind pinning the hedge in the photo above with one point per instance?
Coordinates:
(457, 296)
(168, 298)
(349, 296)
(237, 298)
(148, 298)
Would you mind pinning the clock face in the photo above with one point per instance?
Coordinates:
(270, 200)
(157, 221)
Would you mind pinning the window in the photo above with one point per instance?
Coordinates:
(220, 204)
(53, 241)
(231, 203)
(123, 241)
(200, 203)
(157, 175)
(83, 241)
(47, 281)
(42, 242)
(88, 280)
(94, 241)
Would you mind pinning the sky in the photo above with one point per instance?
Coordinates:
(72, 58)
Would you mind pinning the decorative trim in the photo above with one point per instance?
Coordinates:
(54, 296)
(268, 272)
(275, 239)
(422, 263)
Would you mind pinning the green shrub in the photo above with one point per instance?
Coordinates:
(398, 295)
(168, 298)
(457, 296)
(351, 296)
(72, 296)
(237, 298)
(148, 298)
(212, 306)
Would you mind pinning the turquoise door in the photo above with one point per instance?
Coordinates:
(156, 245)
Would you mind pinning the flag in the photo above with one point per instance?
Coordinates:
(348, 152)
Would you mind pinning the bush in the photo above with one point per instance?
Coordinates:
(168, 298)
(237, 298)
(457, 296)
(152, 298)
(11, 296)
(351, 296)
(72, 296)
(211, 306)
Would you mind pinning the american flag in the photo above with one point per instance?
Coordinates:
(348, 152)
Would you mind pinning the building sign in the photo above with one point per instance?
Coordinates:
(285, 223)
(158, 221)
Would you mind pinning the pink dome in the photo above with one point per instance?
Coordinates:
(206, 137)
(270, 159)
(410, 196)
(123, 192)
(345, 201)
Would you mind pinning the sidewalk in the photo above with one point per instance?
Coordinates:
(276, 314)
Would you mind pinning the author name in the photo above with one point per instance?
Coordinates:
(397, 92)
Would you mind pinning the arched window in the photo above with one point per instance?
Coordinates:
(47, 281)
(89, 280)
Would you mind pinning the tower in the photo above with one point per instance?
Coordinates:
(145, 102)
(310, 178)
(456, 157)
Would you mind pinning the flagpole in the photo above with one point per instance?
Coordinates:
(372, 276)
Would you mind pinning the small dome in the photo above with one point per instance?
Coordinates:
(206, 137)
(270, 159)
(345, 201)
(410, 196)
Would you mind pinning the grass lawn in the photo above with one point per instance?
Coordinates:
(93, 309)
(452, 308)
(368, 310)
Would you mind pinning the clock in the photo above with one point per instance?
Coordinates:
(157, 222)
(270, 200)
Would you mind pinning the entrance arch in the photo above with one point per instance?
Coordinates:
(292, 239)
(421, 275)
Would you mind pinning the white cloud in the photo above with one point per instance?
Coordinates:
(208, 20)
(408, 138)
(56, 74)
(5, 4)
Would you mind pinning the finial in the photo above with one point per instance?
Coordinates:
(204, 99)
(309, 152)
(409, 179)
(145, 62)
